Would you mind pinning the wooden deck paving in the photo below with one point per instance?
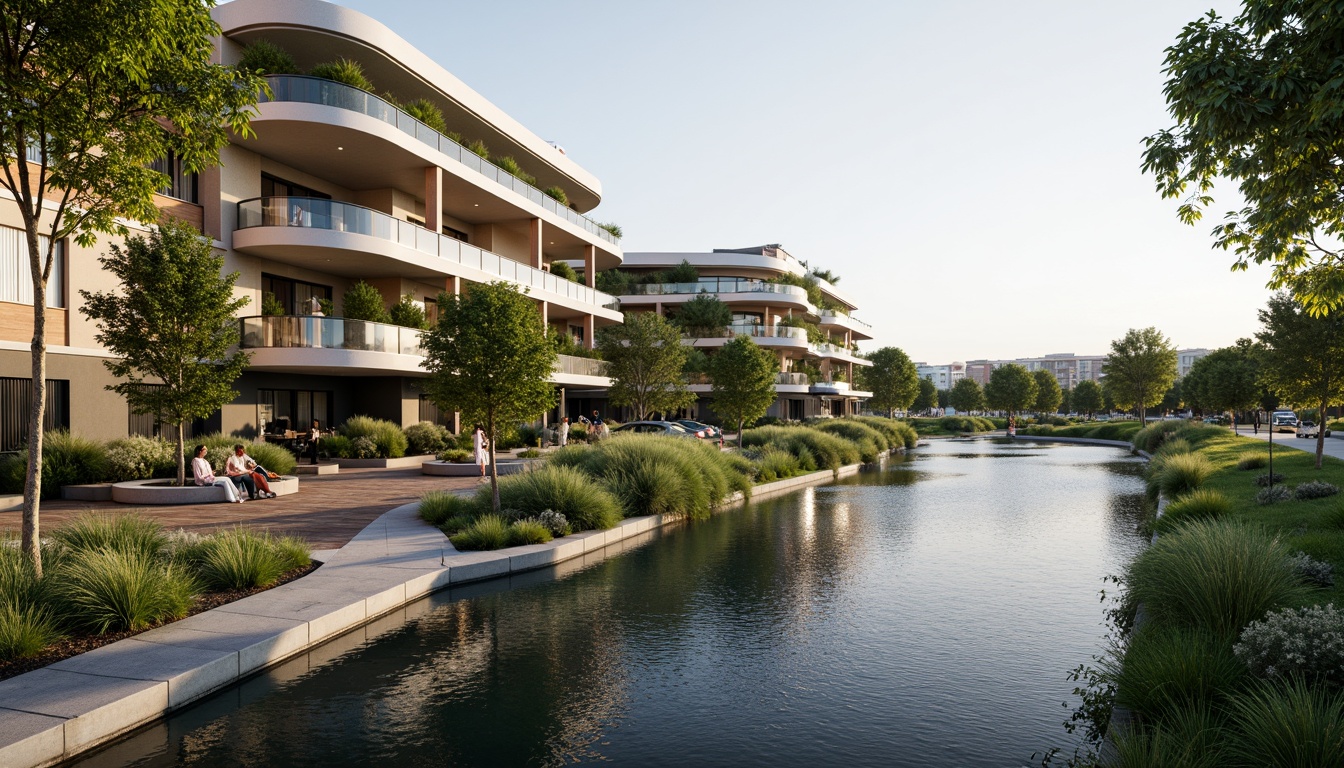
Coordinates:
(327, 511)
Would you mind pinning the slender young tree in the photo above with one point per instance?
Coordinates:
(1140, 369)
(171, 326)
(1048, 393)
(1087, 397)
(490, 358)
(1225, 380)
(892, 378)
(645, 361)
(1304, 357)
(1011, 388)
(967, 396)
(93, 91)
(927, 399)
(743, 377)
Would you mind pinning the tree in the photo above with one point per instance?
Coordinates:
(1011, 388)
(1066, 401)
(489, 357)
(1087, 397)
(362, 301)
(1048, 394)
(892, 378)
(1257, 101)
(967, 397)
(1140, 369)
(408, 313)
(92, 92)
(171, 326)
(927, 399)
(562, 270)
(704, 315)
(1172, 399)
(684, 272)
(1304, 356)
(1226, 379)
(645, 358)
(743, 378)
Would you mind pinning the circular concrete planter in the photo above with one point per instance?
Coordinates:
(451, 469)
(155, 493)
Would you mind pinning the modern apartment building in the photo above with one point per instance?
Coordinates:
(942, 376)
(1185, 360)
(816, 374)
(337, 185)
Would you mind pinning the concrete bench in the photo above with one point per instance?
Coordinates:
(156, 492)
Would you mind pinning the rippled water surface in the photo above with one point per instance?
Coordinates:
(922, 615)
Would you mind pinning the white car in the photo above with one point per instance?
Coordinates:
(1309, 429)
(1283, 420)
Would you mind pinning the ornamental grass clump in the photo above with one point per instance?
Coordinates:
(870, 442)
(567, 490)
(438, 506)
(1169, 669)
(1288, 724)
(1296, 642)
(130, 534)
(1186, 739)
(1213, 574)
(485, 533)
(1202, 504)
(829, 451)
(25, 630)
(241, 558)
(775, 464)
(528, 531)
(1251, 461)
(1182, 473)
(388, 439)
(109, 591)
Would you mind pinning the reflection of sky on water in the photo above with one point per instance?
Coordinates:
(925, 615)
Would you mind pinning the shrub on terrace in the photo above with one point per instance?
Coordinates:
(343, 71)
(427, 437)
(387, 438)
(266, 58)
(426, 112)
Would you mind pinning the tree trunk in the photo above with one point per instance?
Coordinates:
(32, 484)
(1320, 434)
(494, 471)
(181, 455)
(1143, 416)
(739, 434)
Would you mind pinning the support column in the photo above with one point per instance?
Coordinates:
(768, 321)
(589, 332)
(534, 235)
(453, 285)
(658, 308)
(590, 266)
(545, 313)
(563, 409)
(434, 198)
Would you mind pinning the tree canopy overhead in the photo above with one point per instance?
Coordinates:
(1140, 369)
(1259, 100)
(1303, 357)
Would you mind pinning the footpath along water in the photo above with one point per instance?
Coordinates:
(923, 615)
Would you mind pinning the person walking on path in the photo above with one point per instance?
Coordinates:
(205, 475)
(1256, 423)
(478, 446)
(564, 432)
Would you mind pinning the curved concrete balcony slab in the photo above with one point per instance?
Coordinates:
(860, 329)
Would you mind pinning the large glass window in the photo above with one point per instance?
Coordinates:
(181, 185)
(274, 186)
(152, 425)
(281, 410)
(294, 295)
(16, 281)
(16, 395)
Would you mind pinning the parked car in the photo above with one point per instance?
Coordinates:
(696, 426)
(1309, 429)
(655, 428)
(1283, 420)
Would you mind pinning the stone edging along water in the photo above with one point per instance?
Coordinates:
(62, 710)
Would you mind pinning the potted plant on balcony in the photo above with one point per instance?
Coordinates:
(363, 302)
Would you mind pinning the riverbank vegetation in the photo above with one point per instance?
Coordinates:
(956, 425)
(1238, 653)
(1109, 430)
(108, 575)
(593, 487)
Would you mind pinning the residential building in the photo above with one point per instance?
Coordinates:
(942, 376)
(815, 337)
(1185, 360)
(337, 185)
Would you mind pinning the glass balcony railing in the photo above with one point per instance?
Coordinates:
(315, 90)
(841, 318)
(314, 332)
(758, 331)
(580, 366)
(834, 349)
(318, 213)
(792, 378)
(734, 285)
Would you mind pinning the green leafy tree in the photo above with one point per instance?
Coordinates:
(1173, 399)
(362, 301)
(172, 324)
(1066, 401)
(1304, 356)
(266, 58)
(1140, 369)
(705, 315)
(614, 282)
(1087, 397)
(562, 270)
(87, 88)
(892, 378)
(1226, 379)
(967, 396)
(1256, 100)
(1048, 393)
(684, 272)
(1012, 389)
(927, 399)
(645, 359)
(408, 313)
(489, 357)
(743, 382)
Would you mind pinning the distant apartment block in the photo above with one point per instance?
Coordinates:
(942, 376)
(1185, 360)
(1068, 368)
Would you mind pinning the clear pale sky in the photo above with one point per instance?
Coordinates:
(970, 169)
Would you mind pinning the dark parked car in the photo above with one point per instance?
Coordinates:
(654, 428)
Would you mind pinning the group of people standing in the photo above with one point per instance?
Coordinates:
(243, 473)
(597, 428)
(480, 444)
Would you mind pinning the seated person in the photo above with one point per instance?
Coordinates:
(205, 475)
(240, 465)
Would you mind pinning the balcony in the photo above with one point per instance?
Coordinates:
(313, 90)
(310, 213)
(765, 336)
(717, 287)
(840, 320)
(837, 352)
(343, 347)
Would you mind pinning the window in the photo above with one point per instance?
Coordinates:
(151, 425)
(272, 186)
(181, 185)
(431, 413)
(455, 233)
(293, 295)
(292, 409)
(16, 282)
(432, 312)
(15, 398)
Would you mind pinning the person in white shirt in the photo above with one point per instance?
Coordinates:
(478, 446)
(205, 475)
(248, 472)
(564, 432)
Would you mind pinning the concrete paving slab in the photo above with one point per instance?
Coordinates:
(29, 739)
(425, 583)
(259, 640)
(382, 602)
(472, 566)
(532, 556)
(93, 707)
(189, 672)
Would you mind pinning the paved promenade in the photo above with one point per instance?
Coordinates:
(1333, 447)
(327, 512)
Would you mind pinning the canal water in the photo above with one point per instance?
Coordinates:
(923, 615)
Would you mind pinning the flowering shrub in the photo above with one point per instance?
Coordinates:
(1315, 489)
(555, 522)
(1273, 495)
(139, 458)
(1313, 571)
(364, 448)
(1303, 641)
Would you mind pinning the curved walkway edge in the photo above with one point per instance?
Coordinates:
(57, 712)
